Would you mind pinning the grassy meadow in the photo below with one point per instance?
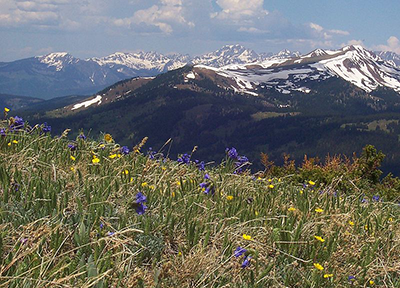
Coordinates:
(89, 213)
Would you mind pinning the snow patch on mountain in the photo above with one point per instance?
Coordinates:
(88, 103)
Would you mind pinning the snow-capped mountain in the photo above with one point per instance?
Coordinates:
(150, 61)
(389, 56)
(58, 60)
(237, 54)
(228, 54)
(354, 64)
(59, 74)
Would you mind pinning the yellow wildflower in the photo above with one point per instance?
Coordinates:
(72, 158)
(131, 179)
(15, 142)
(229, 197)
(319, 238)
(112, 156)
(72, 168)
(259, 178)
(270, 186)
(371, 282)
(108, 138)
(9, 144)
(312, 183)
(102, 146)
(318, 266)
(247, 237)
(328, 275)
(152, 187)
(173, 194)
(351, 223)
(95, 160)
(256, 213)
(319, 210)
(126, 172)
(144, 184)
(301, 191)
(6, 109)
(279, 180)
(119, 155)
(390, 219)
(269, 180)
(163, 168)
(291, 209)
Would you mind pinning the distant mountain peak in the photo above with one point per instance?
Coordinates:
(286, 74)
(57, 60)
(389, 56)
(286, 53)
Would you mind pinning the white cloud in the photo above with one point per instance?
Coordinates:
(237, 10)
(163, 16)
(339, 32)
(316, 27)
(35, 6)
(252, 30)
(321, 32)
(393, 45)
(39, 13)
(353, 42)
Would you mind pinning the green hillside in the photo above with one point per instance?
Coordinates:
(329, 120)
(90, 213)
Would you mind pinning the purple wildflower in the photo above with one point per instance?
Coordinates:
(200, 165)
(3, 132)
(141, 208)
(207, 177)
(185, 159)
(239, 251)
(101, 225)
(232, 153)
(46, 128)
(240, 161)
(72, 146)
(351, 278)
(140, 198)
(17, 123)
(110, 233)
(209, 190)
(124, 150)
(82, 136)
(376, 198)
(151, 153)
(246, 262)
(203, 185)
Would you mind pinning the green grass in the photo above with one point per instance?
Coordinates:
(72, 223)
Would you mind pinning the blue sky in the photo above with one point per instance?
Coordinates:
(87, 28)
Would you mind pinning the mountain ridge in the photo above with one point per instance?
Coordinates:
(59, 73)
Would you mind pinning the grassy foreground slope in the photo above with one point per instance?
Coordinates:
(86, 213)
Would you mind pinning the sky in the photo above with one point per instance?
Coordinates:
(96, 28)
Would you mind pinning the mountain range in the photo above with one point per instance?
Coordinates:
(321, 103)
(60, 74)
